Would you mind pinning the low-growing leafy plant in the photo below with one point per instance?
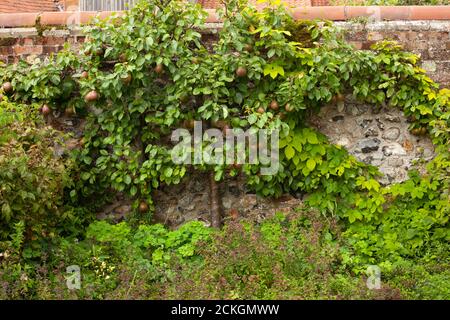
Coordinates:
(33, 178)
(293, 256)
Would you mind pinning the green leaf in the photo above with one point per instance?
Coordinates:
(273, 70)
(289, 152)
(168, 172)
(297, 143)
(85, 175)
(311, 164)
(252, 119)
(149, 42)
(6, 211)
(55, 79)
(312, 137)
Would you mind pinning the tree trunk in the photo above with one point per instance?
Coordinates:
(215, 207)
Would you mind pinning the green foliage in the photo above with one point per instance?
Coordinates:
(150, 73)
(291, 256)
(423, 278)
(107, 255)
(154, 242)
(33, 179)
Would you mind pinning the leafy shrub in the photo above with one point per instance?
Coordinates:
(286, 257)
(154, 242)
(116, 261)
(290, 256)
(33, 179)
(424, 278)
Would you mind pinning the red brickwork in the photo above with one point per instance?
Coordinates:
(28, 5)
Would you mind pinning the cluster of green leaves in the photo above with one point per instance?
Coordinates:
(104, 256)
(155, 243)
(288, 256)
(296, 256)
(138, 105)
(33, 176)
(285, 257)
(412, 214)
(337, 183)
(123, 149)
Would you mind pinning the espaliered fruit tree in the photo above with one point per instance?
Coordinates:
(143, 74)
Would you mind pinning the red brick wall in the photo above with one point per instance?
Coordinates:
(429, 39)
(27, 5)
(14, 48)
(213, 4)
(320, 2)
(423, 30)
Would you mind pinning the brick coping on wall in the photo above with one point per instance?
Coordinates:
(213, 28)
(336, 13)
